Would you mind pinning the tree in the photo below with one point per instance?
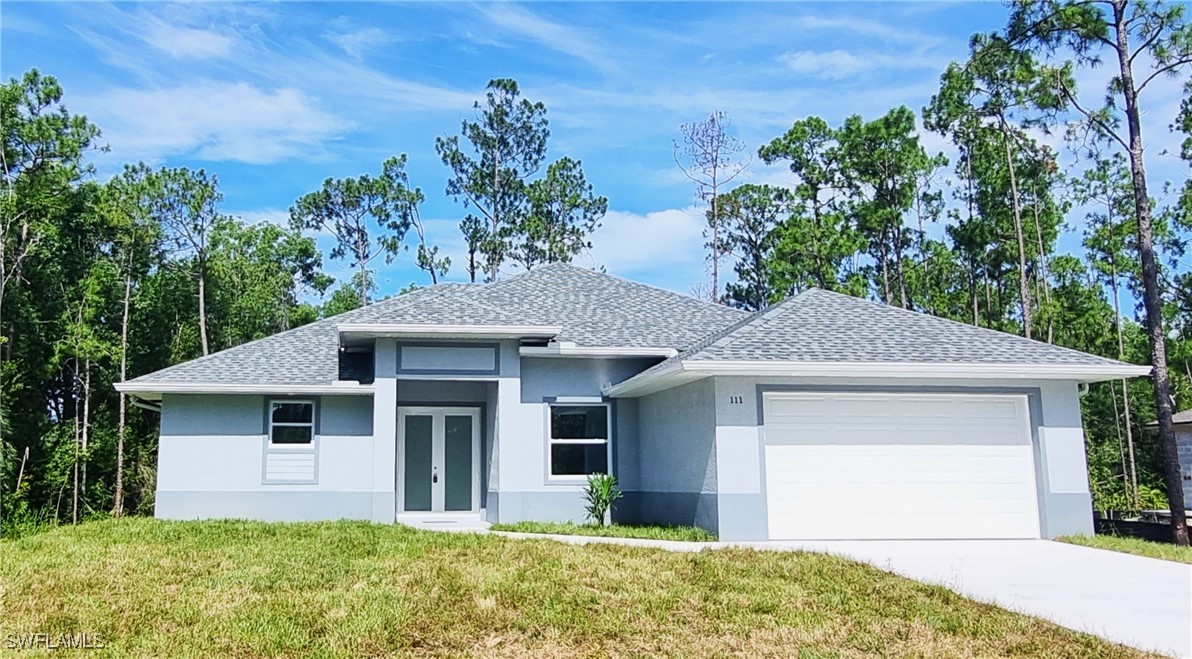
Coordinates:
(127, 203)
(1108, 241)
(1160, 35)
(751, 215)
(507, 144)
(819, 238)
(564, 210)
(349, 208)
(187, 205)
(984, 95)
(707, 156)
(42, 161)
(883, 162)
(258, 272)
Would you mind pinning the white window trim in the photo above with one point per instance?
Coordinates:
(572, 479)
(309, 446)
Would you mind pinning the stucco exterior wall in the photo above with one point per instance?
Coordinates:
(212, 451)
(1183, 442)
(1058, 437)
(523, 489)
(676, 455)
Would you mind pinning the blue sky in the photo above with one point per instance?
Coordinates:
(275, 97)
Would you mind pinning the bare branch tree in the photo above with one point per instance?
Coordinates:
(708, 157)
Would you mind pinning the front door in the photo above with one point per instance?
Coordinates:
(438, 455)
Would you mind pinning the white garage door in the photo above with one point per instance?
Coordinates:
(899, 466)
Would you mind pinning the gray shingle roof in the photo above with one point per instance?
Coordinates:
(594, 309)
(818, 325)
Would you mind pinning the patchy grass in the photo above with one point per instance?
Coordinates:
(646, 531)
(246, 589)
(1165, 551)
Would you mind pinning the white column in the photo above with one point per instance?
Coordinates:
(384, 464)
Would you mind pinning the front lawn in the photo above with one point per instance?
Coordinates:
(1165, 551)
(244, 589)
(649, 532)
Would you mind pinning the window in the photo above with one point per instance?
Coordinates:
(578, 440)
(291, 422)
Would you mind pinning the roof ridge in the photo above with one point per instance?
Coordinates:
(749, 319)
(592, 271)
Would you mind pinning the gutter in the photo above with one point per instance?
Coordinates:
(569, 349)
(683, 371)
(398, 330)
(140, 389)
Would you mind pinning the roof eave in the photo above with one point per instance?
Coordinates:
(566, 349)
(155, 390)
(687, 370)
(414, 330)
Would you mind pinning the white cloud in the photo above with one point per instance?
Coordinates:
(558, 37)
(828, 64)
(838, 64)
(662, 247)
(355, 42)
(213, 121)
(184, 42)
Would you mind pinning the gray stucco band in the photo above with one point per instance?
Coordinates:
(283, 506)
(742, 517)
(1068, 514)
(538, 506)
(669, 508)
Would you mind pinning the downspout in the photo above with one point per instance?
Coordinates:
(145, 405)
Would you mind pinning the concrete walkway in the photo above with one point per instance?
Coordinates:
(1145, 603)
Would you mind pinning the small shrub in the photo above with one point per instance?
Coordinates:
(600, 493)
(17, 519)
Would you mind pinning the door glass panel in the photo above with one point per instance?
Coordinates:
(417, 462)
(457, 453)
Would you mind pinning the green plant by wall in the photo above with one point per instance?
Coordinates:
(600, 493)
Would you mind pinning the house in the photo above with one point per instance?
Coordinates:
(826, 416)
(1182, 421)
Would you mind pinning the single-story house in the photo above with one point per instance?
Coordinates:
(824, 417)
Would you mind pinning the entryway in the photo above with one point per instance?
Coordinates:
(438, 460)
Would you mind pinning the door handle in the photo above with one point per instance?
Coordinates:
(434, 478)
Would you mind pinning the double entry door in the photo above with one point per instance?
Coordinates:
(438, 459)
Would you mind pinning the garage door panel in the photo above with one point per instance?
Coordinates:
(914, 466)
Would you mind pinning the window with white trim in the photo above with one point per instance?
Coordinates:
(578, 440)
(291, 422)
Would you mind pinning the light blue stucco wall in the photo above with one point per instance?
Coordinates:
(523, 490)
(211, 456)
(544, 378)
(676, 456)
(210, 414)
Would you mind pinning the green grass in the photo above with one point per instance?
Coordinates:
(1165, 551)
(649, 532)
(243, 589)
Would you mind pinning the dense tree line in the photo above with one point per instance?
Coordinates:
(103, 281)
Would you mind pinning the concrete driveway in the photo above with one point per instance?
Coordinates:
(1141, 602)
